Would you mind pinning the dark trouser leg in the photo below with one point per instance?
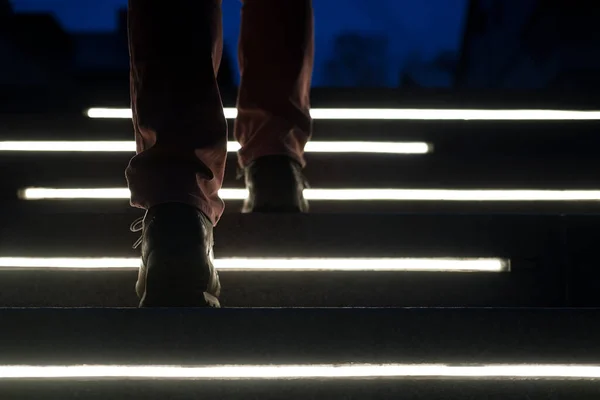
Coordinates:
(180, 129)
(276, 60)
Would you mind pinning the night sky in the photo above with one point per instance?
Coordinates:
(423, 26)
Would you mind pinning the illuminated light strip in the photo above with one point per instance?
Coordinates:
(345, 194)
(129, 146)
(309, 371)
(279, 264)
(403, 114)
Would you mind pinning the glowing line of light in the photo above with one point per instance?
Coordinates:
(344, 194)
(276, 264)
(129, 147)
(314, 371)
(403, 114)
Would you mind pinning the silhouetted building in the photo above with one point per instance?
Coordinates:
(34, 49)
(5, 13)
(530, 44)
(104, 56)
(103, 51)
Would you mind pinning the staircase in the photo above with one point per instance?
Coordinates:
(449, 254)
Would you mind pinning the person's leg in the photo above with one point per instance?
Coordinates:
(273, 123)
(181, 138)
(180, 128)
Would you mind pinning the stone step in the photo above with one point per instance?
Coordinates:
(115, 288)
(477, 170)
(525, 353)
(204, 337)
(36, 230)
(300, 389)
(542, 268)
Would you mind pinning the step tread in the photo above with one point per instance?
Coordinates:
(535, 246)
(60, 288)
(409, 389)
(42, 336)
(452, 134)
(469, 170)
(30, 229)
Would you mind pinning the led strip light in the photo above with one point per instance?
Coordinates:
(129, 147)
(343, 194)
(314, 371)
(276, 264)
(403, 114)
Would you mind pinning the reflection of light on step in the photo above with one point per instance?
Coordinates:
(301, 371)
(279, 264)
(346, 194)
(403, 114)
(129, 146)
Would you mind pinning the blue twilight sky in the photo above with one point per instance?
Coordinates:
(425, 27)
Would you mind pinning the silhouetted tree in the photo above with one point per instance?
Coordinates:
(358, 60)
(5, 8)
(406, 79)
(446, 61)
(436, 72)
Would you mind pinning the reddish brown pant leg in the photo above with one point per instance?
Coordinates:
(178, 119)
(276, 60)
(180, 129)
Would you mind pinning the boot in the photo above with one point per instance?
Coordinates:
(275, 184)
(177, 254)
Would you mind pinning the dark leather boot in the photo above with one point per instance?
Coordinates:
(275, 184)
(177, 269)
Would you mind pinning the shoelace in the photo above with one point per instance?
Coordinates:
(305, 183)
(137, 226)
